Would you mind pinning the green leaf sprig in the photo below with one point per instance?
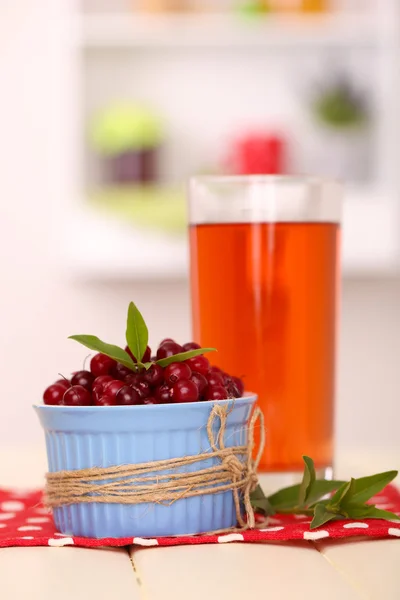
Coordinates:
(315, 497)
(137, 338)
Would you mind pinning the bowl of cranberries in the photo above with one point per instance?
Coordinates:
(128, 411)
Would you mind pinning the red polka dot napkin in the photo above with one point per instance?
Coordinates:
(25, 522)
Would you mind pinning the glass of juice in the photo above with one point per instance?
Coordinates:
(264, 254)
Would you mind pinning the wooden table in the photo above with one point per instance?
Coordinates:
(332, 570)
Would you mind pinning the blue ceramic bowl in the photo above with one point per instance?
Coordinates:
(96, 436)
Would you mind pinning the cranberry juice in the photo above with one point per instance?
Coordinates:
(264, 295)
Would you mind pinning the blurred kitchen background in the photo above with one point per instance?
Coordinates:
(108, 106)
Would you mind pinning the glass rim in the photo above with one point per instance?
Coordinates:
(269, 179)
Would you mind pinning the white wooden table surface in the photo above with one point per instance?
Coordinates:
(328, 570)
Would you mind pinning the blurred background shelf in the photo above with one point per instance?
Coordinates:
(115, 239)
(135, 30)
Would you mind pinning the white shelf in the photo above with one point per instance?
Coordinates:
(106, 249)
(219, 30)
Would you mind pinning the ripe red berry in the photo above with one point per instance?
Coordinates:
(112, 387)
(231, 387)
(54, 394)
(163, 394)
(64, 382)
(190, 346)
(127, 396)
(101, 364)
(146, 355)
(176, 371)
(77, 396)
(168, 349)
(83, 378)
(104, 399)
(215, 378)
(142, 388)
(216, 392)
(120, 371)
(185, 390)
(165, 341)
(97, 393)
(150, 400)
(133, 378)
(199, 364)
(154, 375)
(102, 380)
(200, 381)
(239, 384)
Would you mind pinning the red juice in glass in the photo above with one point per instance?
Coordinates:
(264, 293)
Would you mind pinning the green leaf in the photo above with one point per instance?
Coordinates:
(366, 487)
(164, 362)
(137, 335)
(369, 512)
(341, 493)
(322, 515)
(259, 501)
(287, 498)
(308, 480)
(93, 343)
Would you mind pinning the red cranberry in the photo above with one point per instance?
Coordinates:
(83, 378)
(199, 364)
(54, 394)
(112, 387)
(231, 387)
(200, 381)
(216, 392)
(214, 369)
(104, 400)
(120, 371)
(101, 364)
(146, 355)
(176, 371)
(190, 346)
(163, 394)
(215, 379)
(168, 349)
(239, 384)
(127, 396)
(185, 390)
(150, 400)
(142, 388)
(65, 382)
(165, 341)
(102, 380)
(97, 393)
(77, 395)
(154, 376)
(133, 378)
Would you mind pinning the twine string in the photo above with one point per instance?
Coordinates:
(235, 471)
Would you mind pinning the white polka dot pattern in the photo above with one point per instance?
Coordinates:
(315, 535)
(58, 542)
(6, 516)
(38, 519)
(12, 505)
(230, 537)
(394, 531)
(144, 542)
(25, 521)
